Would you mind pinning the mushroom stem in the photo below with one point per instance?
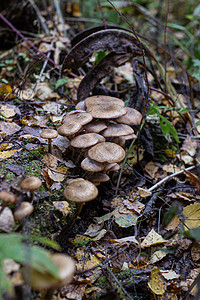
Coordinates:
(65, 231)
(50, 146)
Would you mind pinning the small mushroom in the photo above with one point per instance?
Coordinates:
(24, 210)
(43, 280)
(114, 130)
(84, 141)
(106, 111)
(95, 127)
(69, 129)
(114, 167)
(49, 134)
(81, 118)
(80, 105)
(106, 152)
(97, 178)
(90, 165)
(78, 191)
(6, 197)
(31, 184)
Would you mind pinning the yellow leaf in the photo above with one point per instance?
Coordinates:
(156, 283)
(57, 174)
(157, 256)
(50, 160)
(144, 193)
(7, 112)
(62, 206)
(6, 90)
(152, 238)
(190, 213)
(170, 153)
(8, 153)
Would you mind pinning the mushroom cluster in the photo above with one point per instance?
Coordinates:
(98, 130)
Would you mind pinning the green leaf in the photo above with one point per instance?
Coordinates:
(46, 242)
(195, 233)
(168, 130)
(61, 82)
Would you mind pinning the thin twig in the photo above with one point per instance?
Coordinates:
(102, 13)
(171, 176)
(32, 2)
(57, 5)
(165, 45)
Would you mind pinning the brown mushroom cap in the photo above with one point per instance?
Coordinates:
(49, 134)
(100, 137)
(80, 191)
(106, 111)
(95, 127)
(114, 167)
(25, 209)
(122, 139)
(43, 280)
(31, 183)
(7, 197)
(73, 180)
(90, 165)
(117, 130)
(84, 140)
(68, 129)
(81, 118)
(132, 117)
(104, 100)
(106, 152)
(99, 177)
(80, 105)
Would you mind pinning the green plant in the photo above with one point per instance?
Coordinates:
(17, 247)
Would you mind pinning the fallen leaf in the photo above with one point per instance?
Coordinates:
(144, 193)
(8, 128)
(195, 251)
(194, 180)
(191, 214)
(171, 168)
(62, 206)
(93, 229)
(157, 256)
(6, 220)
(173, 224)
(8, 153)
(152, 238)
(7, 112)
(79, 240)
(135, 206)
(169, 274)
(127, 220)
(156, 282)
(35, 121)
(151, 169)
(129, 239)
(57, 174)
(189, 146)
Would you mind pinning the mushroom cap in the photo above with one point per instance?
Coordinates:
(114, 167)
(81, 118)
(68, 129)
(106, 111)
(73, 180)
(44, 280)
(95, 127)
(31, 183)
(80, 191)
(90, 165)
(117, 130)
(106, 152)
(104, 100)
(100, 137)
(80, 105)
(24, 210)
(99, 177)
(84, 140)
(7, 197)
(49, 134)
(132, 117)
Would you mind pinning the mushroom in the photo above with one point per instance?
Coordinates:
(81, 118)
(6, 197)
(132, 117)
(69, 129)
(78, 191)
(90, 165)
(44, 280)
(106, 111)
(95, 127)
(116, 130)
(113, 167)
(97, 178)
(84, 140)
(106, 152)
(49, 134)
(24, 210)
(121, 140)
(103, 100)
(80, 105)
(31, 184)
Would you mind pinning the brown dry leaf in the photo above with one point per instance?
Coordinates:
(35, 121)
(191, 213)
(195, 251)
(185, 196)
(6, 91)
(132, 156)
(8, 128)
(144, 193)
(44, 91)
(117, 201)
(73, 291)
(173, 224)
(185, 284)
(6, 146)
(8, 153)
(151, 169)
(94, 229)
(6, 220)
(129, 239)
(171, 168)
(194, 180)
(57, 174)
(186, 158)
(62, 206)
(157, 256)
(189, 146)
(156, 282)
(152, 238)
(100, 235)
(50, 160)
(136, 206)
(53, 108)
(26, 94)
(88, 261)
